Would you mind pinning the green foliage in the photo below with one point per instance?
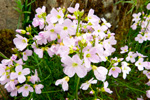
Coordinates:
(24, 9)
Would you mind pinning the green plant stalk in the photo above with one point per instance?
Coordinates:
(77, 80)
(19, 21)
(130, 87)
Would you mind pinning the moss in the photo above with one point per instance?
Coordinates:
(6, 40)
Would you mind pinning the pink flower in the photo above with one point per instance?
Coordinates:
(140, 55)
(100, 72)
(125, 69)
(20, 31)
(13, 57)
(124, 49)
(131, 57)
(51, 32)
(20, 42)
(140, 64)
(106, 89)
(56, 16)
(141, 98)
(14, 92)
(139, 38)
(105, 23)
(73, 65)
(63, 82)
(40, 11)
(50, 52)
(91, 17)
(20, 74)
(38, 88)
(114, 71)
(148, 93)
(85, 86)
(67, 29)
(2, 72)
(147, 65)
(62, 51)
(40, 39)
(72, 10)
(148, 6)
(26, 53)
(11, 85)
(25, 89)
(39, 52)
(90, 56)
(134, 26)
(34, 78)
(136, 17)
(99, 31)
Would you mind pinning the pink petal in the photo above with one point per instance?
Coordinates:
(65, 86)
(69, 71)
(21, 78)
(81, 71)
(39, 52)
(26, 71)
(13, 75)
(58, 82)
(25, 93)
(18, 68)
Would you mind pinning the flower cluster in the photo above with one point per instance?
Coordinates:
(82, 43)
(141, 21)
(18, 79)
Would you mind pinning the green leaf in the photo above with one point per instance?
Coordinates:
(17, 10)
(31, 2)
(27, 12)
(2, 55)
(118, 2)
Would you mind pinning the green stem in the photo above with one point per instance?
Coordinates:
(77, 86)
(19, 21)
(130, 87)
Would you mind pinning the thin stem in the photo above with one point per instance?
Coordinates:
(77, 86)
(131, 87)
(19, 21)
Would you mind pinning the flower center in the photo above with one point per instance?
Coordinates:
(66, 78)
(113, 69)
(130, 56)
(98, 30)
(139, 63)
(19, 73)
(94, 67)
(52, 30)
(88, 55)
(65, 28)
(26, 87)
(23, 41)
(74, 64)
(58, 16)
